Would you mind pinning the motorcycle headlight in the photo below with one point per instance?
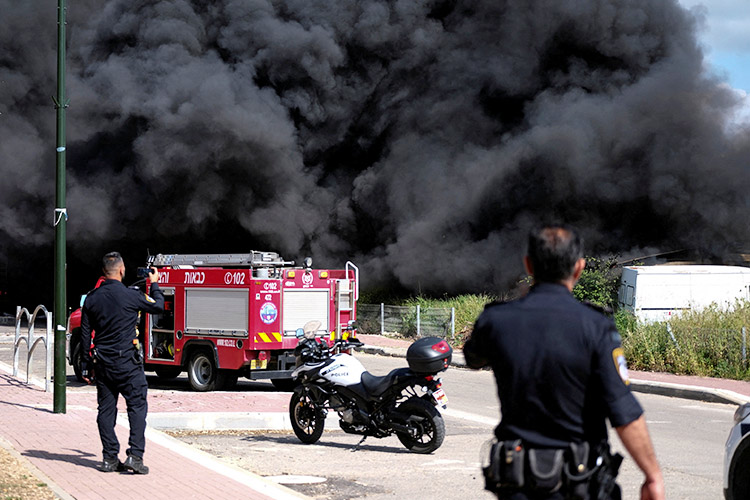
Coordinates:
(742, 412)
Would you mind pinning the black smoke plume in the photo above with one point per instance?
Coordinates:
(419, 139)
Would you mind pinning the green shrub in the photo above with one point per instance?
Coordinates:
(599, 281)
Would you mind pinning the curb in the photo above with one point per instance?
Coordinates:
(692, 392)
(457, 360)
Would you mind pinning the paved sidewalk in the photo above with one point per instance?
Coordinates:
(65, 449)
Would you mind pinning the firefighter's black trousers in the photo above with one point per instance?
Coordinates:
(115, 375)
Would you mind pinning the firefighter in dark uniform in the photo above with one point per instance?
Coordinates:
(115, 362)
(560, 373)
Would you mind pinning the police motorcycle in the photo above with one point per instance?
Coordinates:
(402, 402)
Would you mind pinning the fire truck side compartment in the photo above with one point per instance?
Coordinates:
(162, 329)
(216, 311)
(301, 306)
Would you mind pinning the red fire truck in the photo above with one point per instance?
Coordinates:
(231, 315)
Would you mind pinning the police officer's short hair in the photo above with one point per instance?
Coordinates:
(553, 251)
(111, 262)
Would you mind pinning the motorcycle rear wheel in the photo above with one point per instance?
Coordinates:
(428, 423)
(307, 420)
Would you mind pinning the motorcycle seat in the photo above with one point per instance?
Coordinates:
(375, 386)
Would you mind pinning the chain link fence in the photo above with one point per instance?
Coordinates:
(414, 321)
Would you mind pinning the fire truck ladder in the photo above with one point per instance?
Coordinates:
(346, 296)
(252, 259)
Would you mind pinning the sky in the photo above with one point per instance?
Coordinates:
(726, 39)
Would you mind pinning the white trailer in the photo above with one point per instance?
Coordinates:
(656, 293)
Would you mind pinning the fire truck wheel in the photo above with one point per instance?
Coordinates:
(77, 361)
(167, 372)
(202, 373)
(307, 419)
(284, 384)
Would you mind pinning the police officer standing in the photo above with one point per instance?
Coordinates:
(111, 313)
(560, 373)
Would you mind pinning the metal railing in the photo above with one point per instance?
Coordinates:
(409, 321)
(33, 341)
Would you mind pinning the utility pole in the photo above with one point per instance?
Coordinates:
(61, 219)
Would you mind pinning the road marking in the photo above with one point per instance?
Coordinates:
(479, 419)
(442, 461)
(242, 476)
(709, 408)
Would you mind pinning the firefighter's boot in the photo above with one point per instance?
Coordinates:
(135, 464)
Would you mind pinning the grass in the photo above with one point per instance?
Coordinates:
(706, 343)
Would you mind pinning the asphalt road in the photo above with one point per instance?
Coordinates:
(689, 437)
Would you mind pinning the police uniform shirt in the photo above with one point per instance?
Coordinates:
(112, 312)
(559, 367)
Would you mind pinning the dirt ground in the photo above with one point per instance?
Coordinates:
(17, 480)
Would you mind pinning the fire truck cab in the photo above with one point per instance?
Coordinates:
(231, 315)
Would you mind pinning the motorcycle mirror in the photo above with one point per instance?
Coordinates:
(311, 328)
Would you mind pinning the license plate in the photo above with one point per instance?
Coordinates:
(441, 398)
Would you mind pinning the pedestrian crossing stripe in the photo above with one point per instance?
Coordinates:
(268, 337)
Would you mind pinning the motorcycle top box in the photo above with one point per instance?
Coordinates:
(429, 355)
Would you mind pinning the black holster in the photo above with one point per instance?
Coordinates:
(137, 356)
(603, 485)
(506, 466)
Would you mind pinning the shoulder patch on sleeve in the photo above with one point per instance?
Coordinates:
(618, 356)
(149, 298)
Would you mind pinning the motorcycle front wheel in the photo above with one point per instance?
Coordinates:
(307, 420)
(427, 425)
